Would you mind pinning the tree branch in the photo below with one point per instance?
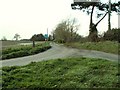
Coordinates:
(101, 19)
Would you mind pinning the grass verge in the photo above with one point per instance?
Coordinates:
(106, 46)
(24, 50)
(62, 73)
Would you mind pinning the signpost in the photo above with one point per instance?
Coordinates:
(46, 36)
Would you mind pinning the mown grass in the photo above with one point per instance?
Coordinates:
(105, 46)
(24, 50)
(62, 73)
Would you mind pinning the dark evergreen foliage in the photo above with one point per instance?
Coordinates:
(38, 37)
(89, 8)
(113, 35)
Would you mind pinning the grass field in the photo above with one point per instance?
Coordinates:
(106, 46)
(62, 73)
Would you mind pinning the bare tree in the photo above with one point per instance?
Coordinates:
(65, 30)
(17, 36)
(4, 38)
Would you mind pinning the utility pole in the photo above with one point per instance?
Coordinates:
(47, 34)
(109, 13)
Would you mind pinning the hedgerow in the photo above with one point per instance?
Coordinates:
(24, 51)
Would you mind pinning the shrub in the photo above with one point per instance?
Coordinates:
(9, 50)
(21, 53)
(112, 35)
(34, 51)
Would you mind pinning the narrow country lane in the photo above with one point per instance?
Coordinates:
(58, 51)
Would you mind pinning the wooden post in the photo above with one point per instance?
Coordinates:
(33, 43)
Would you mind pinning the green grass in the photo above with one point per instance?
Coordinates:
(106, 46)
(62, 73)
(24, 50)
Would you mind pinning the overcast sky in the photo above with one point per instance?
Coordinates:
(29, 17)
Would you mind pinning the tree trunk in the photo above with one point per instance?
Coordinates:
(91, 17)
(109, 13)
(93, 35)
(92, 28)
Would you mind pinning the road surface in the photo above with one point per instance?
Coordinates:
(58, 51)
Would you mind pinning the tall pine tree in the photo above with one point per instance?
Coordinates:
(89, 7)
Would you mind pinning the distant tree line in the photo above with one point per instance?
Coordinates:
(66, 31)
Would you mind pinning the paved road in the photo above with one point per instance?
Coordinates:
(58, 51)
